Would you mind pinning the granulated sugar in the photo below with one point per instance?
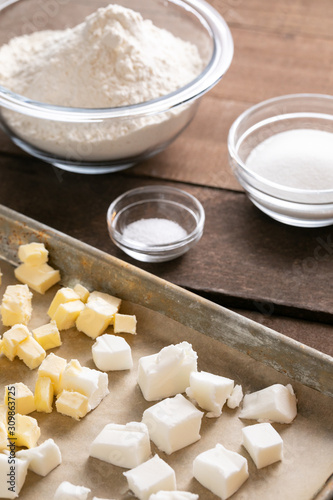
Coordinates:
(155, 231)
(300, 158)
(114, 58)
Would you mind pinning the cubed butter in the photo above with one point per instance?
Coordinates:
(3, 437)
(112, 353)
(47, 336)
(124, 323)
(53, 367)
(73, 404)
(12, 338)
(13, 472)
(150, 477)
(69, 491)
(44, 393)
(82, 292)
(113, 301)
(210, 391)
(173, 423)
(263, 443)
(3, 413)
(62, 296)
(174, 495)
(167, 373)
(66, 314)
(30, 352)
(33, 254)
(276, 403)
(122, 445)
(19, 398)
(39, 278)
(16, 305)
(95, 317)
(221, 471)
(89, 382)
(43, 458)
(24, 430)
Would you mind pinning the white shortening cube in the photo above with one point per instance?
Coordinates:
(173, 423)
(124, 323)
(122, 445)
(276, 403)
(167, 373)
(221, 471)
(69, 491)
(13, 472)
(43, 458)
(112, 353)
(210, 391)
(91, 383)
(174, 495)
(150, 477)
(263, 443)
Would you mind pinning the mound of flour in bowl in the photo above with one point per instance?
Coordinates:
(114, 58)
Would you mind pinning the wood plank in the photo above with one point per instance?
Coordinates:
(243, 258)
(306, 17)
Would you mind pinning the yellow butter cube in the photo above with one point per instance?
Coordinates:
(33, 254)
(3, 437)
(23, 430)
(115, 302)
(47, 336)
(39, 278)
(3, 413)
(62, 296)
(66, 314)
(73, 404)
(16, 305)
(124, 323)
(19, 398)
(95, 318)
(44, 394)
(82, 292)
(53, 367)
(12, 338)
(30, 352)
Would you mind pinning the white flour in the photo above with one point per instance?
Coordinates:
(301, 158)
(114, 58)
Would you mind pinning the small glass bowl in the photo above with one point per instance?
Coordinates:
(156, 202)
(290, 205)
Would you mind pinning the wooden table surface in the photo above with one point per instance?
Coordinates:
(276, 274)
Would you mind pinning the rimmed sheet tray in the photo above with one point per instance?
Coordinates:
(227, 344)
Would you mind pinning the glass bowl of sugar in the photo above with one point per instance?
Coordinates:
(281, 152)
(98, 86)
(155, 223)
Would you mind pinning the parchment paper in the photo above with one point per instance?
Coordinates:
(308, 441)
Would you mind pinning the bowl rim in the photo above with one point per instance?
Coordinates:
(193, 236)
(223, 49)
(233, 145)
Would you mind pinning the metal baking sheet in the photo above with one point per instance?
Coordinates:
(227, 344)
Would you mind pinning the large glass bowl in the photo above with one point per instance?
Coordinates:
(192, 20)
(290, 204)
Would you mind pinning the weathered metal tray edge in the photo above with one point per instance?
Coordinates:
(77, 260)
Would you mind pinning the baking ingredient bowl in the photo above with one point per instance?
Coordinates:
(281, 152)
(147, 127)
(155, 223)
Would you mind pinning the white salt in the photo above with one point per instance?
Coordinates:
(154, 231)
(300, 158)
